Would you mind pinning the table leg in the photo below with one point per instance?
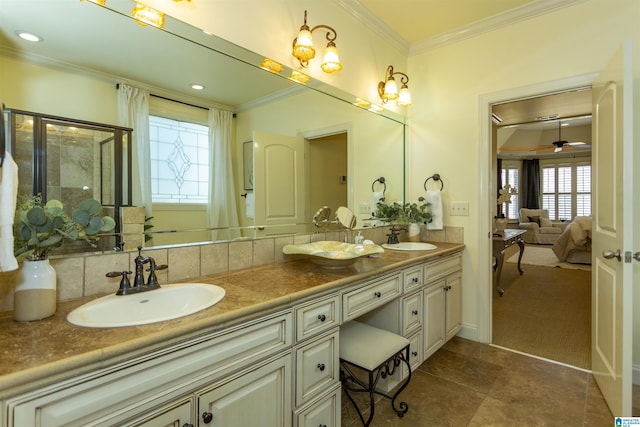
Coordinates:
(521, 244)
(498, 271)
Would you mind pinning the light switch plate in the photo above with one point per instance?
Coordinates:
(459, 209)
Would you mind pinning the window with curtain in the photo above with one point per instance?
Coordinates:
(179, 150)
(510, 175)
(566, 189)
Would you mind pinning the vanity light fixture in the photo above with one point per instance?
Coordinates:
(303, 47)
(388, 88)
(299, 77)
(147, 16)
(271, 65)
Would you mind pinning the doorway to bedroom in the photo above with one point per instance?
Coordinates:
(542, 167)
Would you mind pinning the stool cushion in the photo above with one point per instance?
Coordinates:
(368, 347)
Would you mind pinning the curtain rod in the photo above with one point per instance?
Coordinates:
(173, 100)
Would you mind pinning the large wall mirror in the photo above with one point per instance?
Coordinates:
(88, 48)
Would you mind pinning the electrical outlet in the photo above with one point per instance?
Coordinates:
(365, 208)
(459, 209)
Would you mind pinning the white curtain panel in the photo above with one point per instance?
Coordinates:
(133, 112)
(222, 210)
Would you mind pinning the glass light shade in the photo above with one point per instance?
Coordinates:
(404, 98)
(390, 90)
(146, 16)
(299, 77)
(331, 62)
(303, 47)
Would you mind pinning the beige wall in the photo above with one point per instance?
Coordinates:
(447, 132)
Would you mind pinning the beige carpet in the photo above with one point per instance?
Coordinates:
(544, 256)
(545, 312)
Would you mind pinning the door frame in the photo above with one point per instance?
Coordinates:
(485, 186)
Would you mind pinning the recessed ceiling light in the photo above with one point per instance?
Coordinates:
(197, 86)
(28, 36)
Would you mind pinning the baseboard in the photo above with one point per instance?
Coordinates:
(469, 332)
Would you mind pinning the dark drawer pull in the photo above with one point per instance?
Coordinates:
(414, 353)
(377, 294)
(415, 312)
(322, 317)
(414, 280)
(321, 367)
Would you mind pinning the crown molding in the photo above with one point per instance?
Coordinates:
(509, 17)
(375, 24)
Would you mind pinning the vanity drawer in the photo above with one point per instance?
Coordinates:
(411, 312)
(412, 279)
(317, 317)
(374, 294)
(316, 367)
(326, 411)
(437, 269)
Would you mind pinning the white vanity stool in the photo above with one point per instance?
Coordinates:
(379, 353)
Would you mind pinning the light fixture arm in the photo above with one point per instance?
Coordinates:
(404, 79)
(303, 50)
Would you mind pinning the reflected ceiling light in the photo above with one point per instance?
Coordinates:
(30, 37)
(362, 103)
(299, 77)
(100, 2)
(303, 47)
(388, 88)
(376, 108)
(271, 65)
(147, 16)
(197, 86)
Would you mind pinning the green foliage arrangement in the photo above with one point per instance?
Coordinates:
(415, 212)
(39, 228)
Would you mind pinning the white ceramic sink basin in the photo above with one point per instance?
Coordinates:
(334, 254)
(168, 302)
(410, 246)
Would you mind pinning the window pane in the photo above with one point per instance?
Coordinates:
(180, 161)
(549, 203)
(564, 179)
(548, 180)
(583, 179)
(564, 206)
(583, 203)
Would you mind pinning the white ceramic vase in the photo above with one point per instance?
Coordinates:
(501, 224)
(414, 232)
(35, 294)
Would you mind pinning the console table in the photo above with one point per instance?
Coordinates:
(501, 242)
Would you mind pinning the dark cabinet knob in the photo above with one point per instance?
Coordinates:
(207, 417)
(414, 353)
(321, 366)
(187, 425)
(377, 294)
(415, 312)
(322, 317)
(414, 280)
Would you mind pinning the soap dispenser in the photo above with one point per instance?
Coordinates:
(359, 239)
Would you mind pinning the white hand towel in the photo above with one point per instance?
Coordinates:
(8, 196)
(375, 198)
(434, 197)
(250, 206)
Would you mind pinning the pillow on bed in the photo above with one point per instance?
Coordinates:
(544, 222)
(535, 219)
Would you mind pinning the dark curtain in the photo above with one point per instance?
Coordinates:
(530, 184)
(499, 187)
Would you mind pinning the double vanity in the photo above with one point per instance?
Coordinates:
(265, 354)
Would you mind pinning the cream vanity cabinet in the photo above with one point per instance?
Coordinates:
(242, 371)
(443, 303)
(317, 377)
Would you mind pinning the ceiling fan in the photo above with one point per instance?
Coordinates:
(560, 143)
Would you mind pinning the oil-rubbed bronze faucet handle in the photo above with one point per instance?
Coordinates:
(125, 285)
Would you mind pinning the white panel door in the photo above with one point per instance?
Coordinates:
(613, 188)
(279, 182)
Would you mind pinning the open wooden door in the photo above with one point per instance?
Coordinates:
(613, 189)
(279, 183)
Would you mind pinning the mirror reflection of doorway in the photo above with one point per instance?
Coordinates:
(328, 176)
(546, 311)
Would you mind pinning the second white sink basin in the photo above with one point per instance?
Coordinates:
(410, 246)
(168, 302)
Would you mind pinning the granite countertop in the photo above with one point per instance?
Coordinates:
(34, 354)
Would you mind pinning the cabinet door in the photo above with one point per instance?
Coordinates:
(178, 415)
(434, 328)
(454, 305)
(317, 367)
(258, 398)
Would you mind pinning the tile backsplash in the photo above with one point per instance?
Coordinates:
(84, 275)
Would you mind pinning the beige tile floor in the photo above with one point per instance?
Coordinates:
(471, 384)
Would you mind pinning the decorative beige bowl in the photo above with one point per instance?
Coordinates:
(332, 254)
